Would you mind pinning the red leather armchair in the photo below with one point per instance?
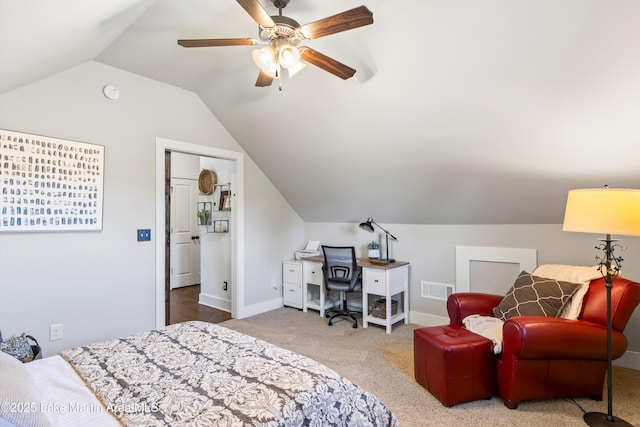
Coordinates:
(549, 357)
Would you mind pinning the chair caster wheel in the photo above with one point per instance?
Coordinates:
(355, 326)
(330, 323)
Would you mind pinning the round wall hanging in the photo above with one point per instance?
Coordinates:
(207, 181)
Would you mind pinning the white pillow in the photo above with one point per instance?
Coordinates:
(19, 395)
(573, 274)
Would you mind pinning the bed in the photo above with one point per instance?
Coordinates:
(192, 373)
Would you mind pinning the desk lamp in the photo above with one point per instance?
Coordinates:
(368, 226)
(605, 211)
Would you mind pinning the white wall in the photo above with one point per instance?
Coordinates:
(270, 221)
(102, 284)
(431, 250)
(215, 248)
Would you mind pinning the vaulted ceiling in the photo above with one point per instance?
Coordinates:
(461, 112)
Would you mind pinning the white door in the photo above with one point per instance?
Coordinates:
(184, 233)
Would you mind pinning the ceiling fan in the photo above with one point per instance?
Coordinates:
(281, 35)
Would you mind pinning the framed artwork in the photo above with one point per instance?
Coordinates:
(225, 200)
(49, 184)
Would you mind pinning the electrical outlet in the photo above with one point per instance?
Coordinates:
(55, 332)
(224, 286)
(144, 235)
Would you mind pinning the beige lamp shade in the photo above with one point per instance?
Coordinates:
(603, 211)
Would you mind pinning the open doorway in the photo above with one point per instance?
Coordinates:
(194, 225)
(164, 148)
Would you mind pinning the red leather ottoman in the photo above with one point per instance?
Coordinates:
(454, 364)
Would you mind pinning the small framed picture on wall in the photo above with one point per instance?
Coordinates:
(225, 200)
(221, 226)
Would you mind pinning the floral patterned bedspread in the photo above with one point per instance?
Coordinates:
(202, 374)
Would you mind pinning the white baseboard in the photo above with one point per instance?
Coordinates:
(252, 310)
(631, 360)
(425, 319)
(215, 302)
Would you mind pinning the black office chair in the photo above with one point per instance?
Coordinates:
(341, 273)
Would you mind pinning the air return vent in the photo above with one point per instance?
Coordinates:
(435, 290)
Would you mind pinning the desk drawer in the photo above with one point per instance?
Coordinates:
(292, 273)
(374, 280)
(292, 295)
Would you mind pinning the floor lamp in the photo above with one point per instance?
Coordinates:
(368, 225)
(605, 211)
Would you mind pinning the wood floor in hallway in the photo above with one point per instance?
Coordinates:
(184, 307)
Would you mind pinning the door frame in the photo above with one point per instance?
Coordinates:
(237, 222)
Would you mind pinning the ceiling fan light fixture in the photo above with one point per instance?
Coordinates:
(289, 57)
(265, 59)
(295, 70)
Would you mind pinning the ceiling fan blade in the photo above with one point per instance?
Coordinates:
(328, 64)
(264, 80)
(257, 12)
(216, 42)
(347, 20)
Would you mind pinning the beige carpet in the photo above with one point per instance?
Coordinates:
(383, 364)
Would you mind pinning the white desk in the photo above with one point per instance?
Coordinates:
(389, 281)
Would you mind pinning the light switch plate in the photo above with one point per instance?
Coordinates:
(144, 235)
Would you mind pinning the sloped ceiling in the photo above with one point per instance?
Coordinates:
(461, 112)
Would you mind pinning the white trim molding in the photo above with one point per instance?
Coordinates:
(238, 310)
(526, 258)
(214, 302)
(630, 359)
(426, 319)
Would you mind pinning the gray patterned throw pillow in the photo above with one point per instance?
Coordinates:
(535, 296)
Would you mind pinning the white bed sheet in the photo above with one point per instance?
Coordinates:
(65, 398)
